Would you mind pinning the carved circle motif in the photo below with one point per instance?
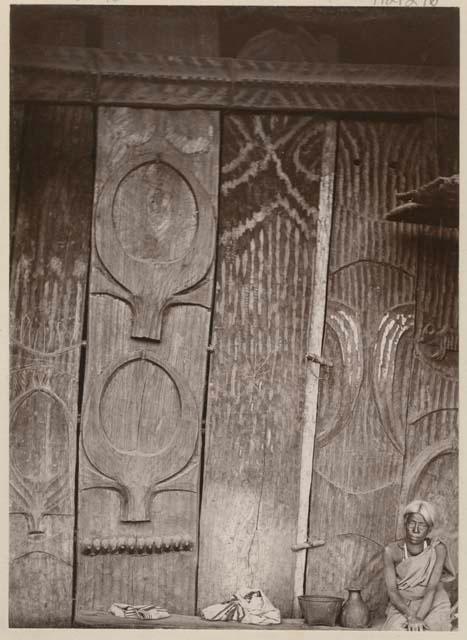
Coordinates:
(154, 213)
(39, 429)
(152, 283)
(130, 417)
(137, 473)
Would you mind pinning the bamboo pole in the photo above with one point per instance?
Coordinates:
(314, 346)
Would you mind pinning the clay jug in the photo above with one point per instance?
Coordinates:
(355, 613)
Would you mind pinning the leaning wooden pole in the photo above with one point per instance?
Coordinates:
(314, 345)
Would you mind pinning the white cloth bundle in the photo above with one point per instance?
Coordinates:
(249, 606)
(141, 611)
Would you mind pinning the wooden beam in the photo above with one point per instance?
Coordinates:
(98, 76)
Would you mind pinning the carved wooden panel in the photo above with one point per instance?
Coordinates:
(360, 439)
(432, 434)
(271, 166)
(155, 231)
(431, 465)
(48, 284)
(152, 265)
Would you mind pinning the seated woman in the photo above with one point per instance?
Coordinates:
(415, 569)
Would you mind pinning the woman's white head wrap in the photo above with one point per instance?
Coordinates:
(425, 509)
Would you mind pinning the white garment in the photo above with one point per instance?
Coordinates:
(142, 611)
(249, 606)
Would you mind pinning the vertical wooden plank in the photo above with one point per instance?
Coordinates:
(271, 166)
(314, 348)
(431, 459)
(151, 288)
(50, 265)
(16, 144)
(360, 436)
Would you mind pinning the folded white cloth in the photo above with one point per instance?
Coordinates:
(142, 611)
(249, 606)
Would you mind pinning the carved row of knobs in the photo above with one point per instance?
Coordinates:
(132, 544)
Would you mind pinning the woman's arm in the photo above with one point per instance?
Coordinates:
(391, 583)
(433, 582)
(414, 623)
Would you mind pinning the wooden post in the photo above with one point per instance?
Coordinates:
(314, 344)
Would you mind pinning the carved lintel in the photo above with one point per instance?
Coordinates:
(70, 74)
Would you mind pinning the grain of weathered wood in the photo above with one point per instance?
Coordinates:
(139, 459)
(271, 167)
(360, 439)
(50, 265)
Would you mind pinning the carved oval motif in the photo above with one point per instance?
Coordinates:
(155, 213)
(39, 435)
(140, 407)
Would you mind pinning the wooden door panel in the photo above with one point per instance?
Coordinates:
(149, 310)
(48, 292)
(271, 170)
(361, 424)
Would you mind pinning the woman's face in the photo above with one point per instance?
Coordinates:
(416, 528)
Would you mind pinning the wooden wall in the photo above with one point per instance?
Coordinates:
(378, 286)
(387, 411)
(431, 459)
(270, 186)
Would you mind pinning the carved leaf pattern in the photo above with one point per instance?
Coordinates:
(395, 329)
(343, 324)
